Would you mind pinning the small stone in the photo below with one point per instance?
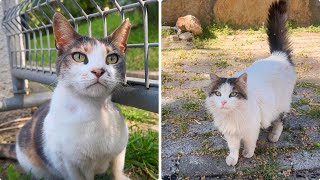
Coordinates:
(189, 23)
(305, 108)
(174, 38)
(187, 36)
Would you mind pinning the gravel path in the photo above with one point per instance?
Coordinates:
(193, 148)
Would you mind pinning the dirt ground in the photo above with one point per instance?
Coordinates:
(189, 139)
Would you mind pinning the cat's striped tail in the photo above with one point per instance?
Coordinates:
(277, 29)
(8, 151)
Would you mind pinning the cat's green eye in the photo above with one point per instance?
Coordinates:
(233, 94)
(79, 57)
(217, 93)
(112, 59)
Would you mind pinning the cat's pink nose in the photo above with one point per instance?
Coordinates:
(98, 72)
(223, 103)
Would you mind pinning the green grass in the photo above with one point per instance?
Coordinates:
(191, 106)
(222, 64)
(134, 56)
(200, 93)
(142, 155)
(138, 115)
(183, 128)
(317, 145)
(314, 112)
(301, 102)
(167, 32)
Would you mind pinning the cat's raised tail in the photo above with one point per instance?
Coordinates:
(277, 29)
(8, 151)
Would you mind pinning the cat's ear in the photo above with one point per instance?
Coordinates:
(243, 78)
(214, 77)
(64, 34)
(120, 36)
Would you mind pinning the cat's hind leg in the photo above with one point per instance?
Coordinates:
(277, 127)
(118, 165)
(234, 146)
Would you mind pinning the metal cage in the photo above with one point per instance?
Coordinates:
(28, 26)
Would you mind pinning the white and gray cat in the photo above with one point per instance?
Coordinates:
(80, 133)
(257, 97)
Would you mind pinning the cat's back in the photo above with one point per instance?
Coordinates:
(272, 72)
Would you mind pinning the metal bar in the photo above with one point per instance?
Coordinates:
(146, 42)
(23, 101)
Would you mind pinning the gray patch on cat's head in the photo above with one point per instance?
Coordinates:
(238, 85)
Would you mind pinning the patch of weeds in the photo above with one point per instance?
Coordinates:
(217, 54)
(208, 32)
(301, 102)
(222, 64)
(302, 55)
(142, 154)
(307, 85)
(167, 87)
(317, 145)
(269, 169)
(183, 56)
(205, 43)
(200, 93)
(178, 63)
(208, 134)
(294, 27)
(178, 69)
(167, 32)
(165, 111)
(166, 78)
(138, 115)
(223, 29)
(196, 78)
(11, 173)
(303, 68)
(191, 106)
(184, 128)
(314, 111)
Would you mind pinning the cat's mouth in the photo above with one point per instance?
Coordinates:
(96, 84)
(224, 107)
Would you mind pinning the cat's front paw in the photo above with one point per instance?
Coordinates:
(247, 153)
(231, 161)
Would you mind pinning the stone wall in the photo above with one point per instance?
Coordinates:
(242, 13)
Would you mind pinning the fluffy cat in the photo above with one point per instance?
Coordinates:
(257, 97)
(80, 133)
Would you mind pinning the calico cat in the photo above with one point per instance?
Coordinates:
(257, 97)
(80, 133)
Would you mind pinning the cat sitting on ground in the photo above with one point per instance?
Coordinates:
(80, 133)
(257, 97)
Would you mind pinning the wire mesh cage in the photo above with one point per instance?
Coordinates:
(32, 51)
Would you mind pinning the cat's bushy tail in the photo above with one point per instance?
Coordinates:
(8, 151)
(277, 29)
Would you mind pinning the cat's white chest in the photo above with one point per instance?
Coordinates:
(83, 134)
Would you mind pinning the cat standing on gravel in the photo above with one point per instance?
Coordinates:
(259, 96)
(81, 132)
